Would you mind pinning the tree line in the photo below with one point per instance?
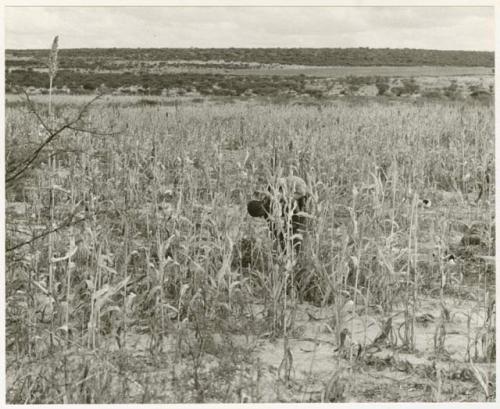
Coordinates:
(302, 56)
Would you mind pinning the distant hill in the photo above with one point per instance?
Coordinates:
(235, 71)
(82, 58)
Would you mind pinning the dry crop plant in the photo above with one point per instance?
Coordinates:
(156, 286)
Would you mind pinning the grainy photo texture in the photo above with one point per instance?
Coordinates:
(249, 204)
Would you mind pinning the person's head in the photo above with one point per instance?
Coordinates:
(258, 208)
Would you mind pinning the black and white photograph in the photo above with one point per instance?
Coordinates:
(248, 203)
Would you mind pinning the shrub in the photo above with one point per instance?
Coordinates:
(382, 87)
(398, 91)
(410, 86)
(432, 94)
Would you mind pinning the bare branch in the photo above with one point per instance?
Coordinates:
(67, 223)
(93, 132)
(17, 171)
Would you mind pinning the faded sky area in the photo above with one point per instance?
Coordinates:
(445, 28)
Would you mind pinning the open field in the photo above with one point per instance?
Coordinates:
(135, 275)
(290, 70)
(345, 71)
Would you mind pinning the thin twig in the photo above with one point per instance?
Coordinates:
(69, 222)
(24, 165)
(93, 132)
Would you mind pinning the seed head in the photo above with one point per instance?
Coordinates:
(53, 58)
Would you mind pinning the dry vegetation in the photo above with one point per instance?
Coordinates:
(271, 72)
(134, 273)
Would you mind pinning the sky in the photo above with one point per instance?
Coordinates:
(444, 28)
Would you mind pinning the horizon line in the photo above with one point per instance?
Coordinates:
(249, 48)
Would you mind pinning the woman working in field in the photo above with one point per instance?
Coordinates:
(284, 207)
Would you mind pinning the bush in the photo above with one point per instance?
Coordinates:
(89, 86)
(382, 87)
(432, 94)
(397, 91)
(410, 86)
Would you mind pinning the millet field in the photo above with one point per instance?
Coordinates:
(135, 274)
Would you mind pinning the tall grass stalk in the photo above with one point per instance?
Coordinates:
(53, 67)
